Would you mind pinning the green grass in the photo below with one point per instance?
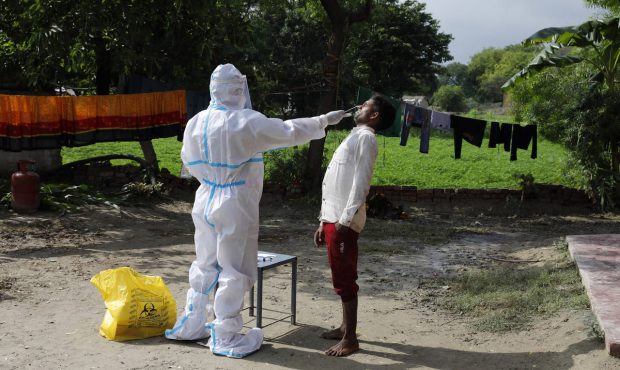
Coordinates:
(397, 165)
(508, 298)
(168, 152)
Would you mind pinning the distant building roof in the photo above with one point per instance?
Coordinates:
(419, 100)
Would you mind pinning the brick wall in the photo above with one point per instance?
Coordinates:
(544, 193)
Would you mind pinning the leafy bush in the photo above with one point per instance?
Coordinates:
(569, 110)
(138, 189)
(450, 99)
(594, 139)
(527, 185)
(285, 167)
(548, 98)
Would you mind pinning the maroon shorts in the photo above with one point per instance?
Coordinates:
(342, 254)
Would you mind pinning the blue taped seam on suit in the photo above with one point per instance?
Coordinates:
(206, 147)
(191, 308)
(214, 186)
(208, 207)
(226, 165)
(204, 138)
(228, 353)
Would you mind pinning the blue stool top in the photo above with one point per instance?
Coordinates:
(267, 260)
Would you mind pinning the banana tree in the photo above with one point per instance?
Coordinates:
(600, 36)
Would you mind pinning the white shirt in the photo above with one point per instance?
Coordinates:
(347, 179)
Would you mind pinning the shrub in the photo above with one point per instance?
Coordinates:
(285, 167)
(450, 99)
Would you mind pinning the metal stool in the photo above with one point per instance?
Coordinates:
(273, 260)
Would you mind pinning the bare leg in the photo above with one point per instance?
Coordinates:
(348, 344)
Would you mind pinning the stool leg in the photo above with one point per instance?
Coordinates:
(294, 292)
(252, 301)
(259, 300)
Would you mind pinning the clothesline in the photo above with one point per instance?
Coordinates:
(513, 136)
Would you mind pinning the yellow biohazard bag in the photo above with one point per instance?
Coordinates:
(138, 306)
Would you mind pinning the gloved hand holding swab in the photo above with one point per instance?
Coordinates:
(349, 112)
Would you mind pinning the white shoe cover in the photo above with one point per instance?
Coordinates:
(191, 324)
(236, 345)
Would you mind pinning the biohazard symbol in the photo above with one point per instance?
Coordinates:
(149, 311)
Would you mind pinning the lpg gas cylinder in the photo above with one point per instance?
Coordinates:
(25, 189)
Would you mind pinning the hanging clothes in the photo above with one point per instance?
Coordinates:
(494, 135)
(440, 120)
(521, 137)
(500, 134)
(404, 133)
(420, 115)
(470, 129)
(505, 134)
(414, 117)
(425, 133)
(406, 126)
(51, 122)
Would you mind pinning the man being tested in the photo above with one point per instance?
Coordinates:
(222, 148)
(343, 212)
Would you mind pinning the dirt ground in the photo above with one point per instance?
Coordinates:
(50, 312)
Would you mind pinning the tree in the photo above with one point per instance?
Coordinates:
(94, 42)
(613, 6)
(547, 98)
(450, 98)
(63, 42)
(9, 64)
(288, 76)
(453, 74)
(340, 20)
(491, 67)
(397, 48)
(600, 36)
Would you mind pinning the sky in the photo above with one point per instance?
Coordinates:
(479, 24)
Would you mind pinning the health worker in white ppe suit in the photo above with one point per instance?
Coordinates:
(222, 148)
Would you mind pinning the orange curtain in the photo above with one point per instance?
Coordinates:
(73, 121)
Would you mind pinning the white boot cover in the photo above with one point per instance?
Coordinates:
(235, 345)
(191, 324)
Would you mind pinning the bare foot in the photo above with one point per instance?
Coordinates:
(337, 333)
(344, 348)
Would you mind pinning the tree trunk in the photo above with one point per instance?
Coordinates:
(103, 76)
(149, 155)
(340, 21)
(102, 81)
(615, 170)
(327, 103)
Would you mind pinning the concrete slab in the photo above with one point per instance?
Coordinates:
(598, 260)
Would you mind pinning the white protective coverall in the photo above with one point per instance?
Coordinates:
(222, 148)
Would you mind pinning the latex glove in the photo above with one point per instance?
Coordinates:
(334, 117)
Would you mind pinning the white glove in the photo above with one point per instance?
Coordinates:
(334, 117)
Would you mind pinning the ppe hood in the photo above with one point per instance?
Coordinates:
(228, 87)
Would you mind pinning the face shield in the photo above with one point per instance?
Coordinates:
(228, 87)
